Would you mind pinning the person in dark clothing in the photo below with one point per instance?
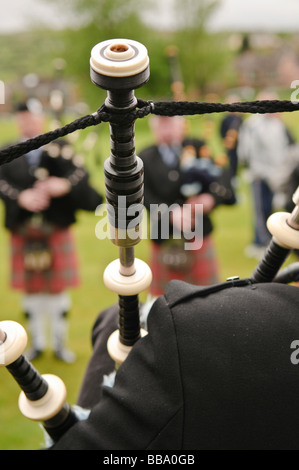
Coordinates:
(229, 131)
(218, 370)
(180, 171)
(42, 191)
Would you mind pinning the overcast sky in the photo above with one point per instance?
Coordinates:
(266, 15)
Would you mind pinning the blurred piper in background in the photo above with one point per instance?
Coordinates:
(42, 191)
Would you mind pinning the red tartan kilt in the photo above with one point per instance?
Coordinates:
(63, 272)
(202, 268)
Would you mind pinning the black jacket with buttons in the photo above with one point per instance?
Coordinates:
(163, 184)
(57, 159)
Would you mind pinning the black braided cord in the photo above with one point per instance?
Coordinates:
(144, 108)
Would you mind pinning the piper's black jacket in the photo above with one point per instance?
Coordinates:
(57, 159)
(217, 371)
(162, 184)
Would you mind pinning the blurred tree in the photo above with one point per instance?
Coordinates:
(204, 56)
(105, 19)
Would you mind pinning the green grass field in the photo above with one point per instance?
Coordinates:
(232, 234)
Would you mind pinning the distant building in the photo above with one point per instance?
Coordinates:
(267, 61)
